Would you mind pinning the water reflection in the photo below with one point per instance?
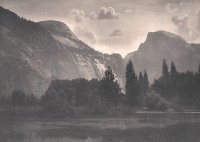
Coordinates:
(13, 130)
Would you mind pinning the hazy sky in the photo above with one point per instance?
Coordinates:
(115, 26)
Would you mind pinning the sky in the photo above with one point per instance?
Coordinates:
(115, 26)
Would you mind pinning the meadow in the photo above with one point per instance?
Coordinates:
(31, 124)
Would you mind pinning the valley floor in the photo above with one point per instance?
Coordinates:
(31, 125)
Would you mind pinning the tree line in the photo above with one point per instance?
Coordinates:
(173, 87)
(182, 88)
(20, 98)
(97, 95)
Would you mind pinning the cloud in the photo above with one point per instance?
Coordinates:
(93, 15)
(105, 13)
(172, 7)
(85, 35)
(179, 21)
(116, 33)
(196, 29)
(198, 20)
(190, 30)
(182, 25)
(128, 11)
(82, 26)
(77, 15)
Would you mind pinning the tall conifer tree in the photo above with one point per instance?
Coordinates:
(110, 89)
(199, 70)
(173, 71)
(165, 72)
(141, 88)
(132, 86)
(198, 74)
(146, 81)
(141, 79)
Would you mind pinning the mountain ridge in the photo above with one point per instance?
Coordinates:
(32, 54)
(159, 45)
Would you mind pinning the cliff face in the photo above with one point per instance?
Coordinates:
(32, 54)
(160, 45)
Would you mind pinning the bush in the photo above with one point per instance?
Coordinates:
(50, 101)
(162, 105)
(155, 102)
(96, 105)
(18, 98)
(31, 100)
(56, 101)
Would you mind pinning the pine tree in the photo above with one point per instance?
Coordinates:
(198, 82)
(110, 89)
(173, 71)
(129, 71)
(146, 81)
(141, 88)
(198, 74)
(199, 70)
(165, 72)
(141, 79)
(132, 86)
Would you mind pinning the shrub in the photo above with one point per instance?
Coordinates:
(31, 100)
(18, 98)
(155, 102)
(162, 105)
(96, 105)
(55, 101)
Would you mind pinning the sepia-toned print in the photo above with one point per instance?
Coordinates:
(99, 71)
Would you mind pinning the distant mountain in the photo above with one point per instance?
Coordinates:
(32, 54)
(159, 45)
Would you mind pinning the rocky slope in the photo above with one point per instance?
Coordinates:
(32, 54)
(159, 45)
